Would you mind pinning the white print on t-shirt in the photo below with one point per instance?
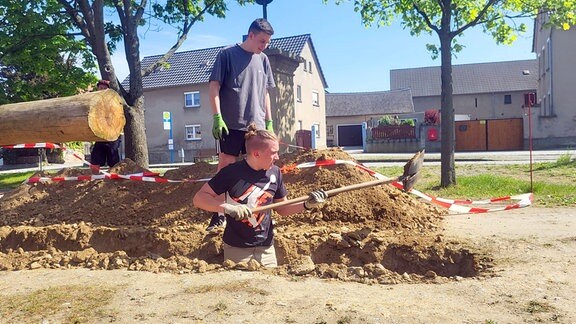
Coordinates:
(253, 196)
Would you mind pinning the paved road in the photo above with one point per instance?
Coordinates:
(507, 157)
(385, 159)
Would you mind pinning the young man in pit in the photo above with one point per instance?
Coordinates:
(252, 182)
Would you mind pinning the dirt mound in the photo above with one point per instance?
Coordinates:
(378, 234)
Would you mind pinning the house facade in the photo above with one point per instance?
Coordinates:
(347, 112)
(489, 100)
(178, 115)
(481, 91)
(554, 112)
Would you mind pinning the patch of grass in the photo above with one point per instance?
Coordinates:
(9, 181)
(71, 304)
(231, 287)
(538, 307)
(554, 185)
(564, 159)
(220, 307)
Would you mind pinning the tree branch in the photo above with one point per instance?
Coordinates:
(140, 11)
(476, 20)
(77, 19)
(426, 18)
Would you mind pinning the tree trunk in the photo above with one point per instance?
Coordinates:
(447, 167)
(135, 134)
(92, 116)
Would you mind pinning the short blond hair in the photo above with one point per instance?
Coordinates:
(256, 138)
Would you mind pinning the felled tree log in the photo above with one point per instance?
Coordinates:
(91, 116)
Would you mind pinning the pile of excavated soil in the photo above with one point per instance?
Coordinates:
(376, 234)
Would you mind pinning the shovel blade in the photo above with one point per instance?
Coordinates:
(412, 171)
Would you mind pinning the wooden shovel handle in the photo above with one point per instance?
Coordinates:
(410, 176)
(330, 193)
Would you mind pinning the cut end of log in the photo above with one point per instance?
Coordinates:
(106, 116)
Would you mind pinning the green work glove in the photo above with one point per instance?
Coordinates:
(218, 127)
(269, 126)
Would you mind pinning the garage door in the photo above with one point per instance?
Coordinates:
(350, 135)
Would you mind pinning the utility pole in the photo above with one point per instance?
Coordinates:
(264, 3)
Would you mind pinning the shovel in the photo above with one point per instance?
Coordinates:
(408, 179)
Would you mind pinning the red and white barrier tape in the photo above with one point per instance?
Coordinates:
(524, 200)
(142, 176)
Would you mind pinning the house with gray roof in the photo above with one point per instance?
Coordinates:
(489, 103)
(482, 90)
(346, 112)
(178, 116)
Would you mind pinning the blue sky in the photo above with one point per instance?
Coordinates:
(354, 58)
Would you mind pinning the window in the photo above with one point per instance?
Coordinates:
(329, 130)
(309, 66)
(305, 66)
(507, 99)
(315, 99)
(542, 61)
(549, 50)
(299, 93)
(192, 99)
(193, 133)
(317, 127)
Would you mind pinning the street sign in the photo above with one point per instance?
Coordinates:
(166, 120)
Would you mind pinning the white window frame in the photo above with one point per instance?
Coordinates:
(196, 132)
(315, 98)
(193, 95)
(298, 93)
(305, 65)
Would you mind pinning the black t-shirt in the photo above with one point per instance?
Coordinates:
(244, 185)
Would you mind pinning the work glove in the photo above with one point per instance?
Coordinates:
(219, 127)
(238, 212)
(315, 199)
(269, 126)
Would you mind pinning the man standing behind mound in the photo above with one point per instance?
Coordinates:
(105, 152)
(252, 182)
(239, 95)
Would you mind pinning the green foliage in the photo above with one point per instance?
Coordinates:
(38, 59)
(387, 120)
(498, 18)
(409, 122)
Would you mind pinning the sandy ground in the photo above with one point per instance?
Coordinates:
(534, 251)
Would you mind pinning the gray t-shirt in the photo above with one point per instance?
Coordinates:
(244, 78)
